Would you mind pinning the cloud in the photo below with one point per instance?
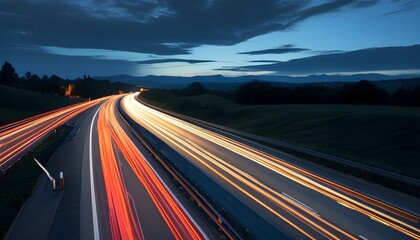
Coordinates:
(404, 7)
(365, 60)
(328, 51)
(156, 27)
(264, 61)
(70, 66)
(172, 60)
(289, 48)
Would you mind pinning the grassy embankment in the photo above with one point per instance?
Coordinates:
(381, 136)
(16, 104)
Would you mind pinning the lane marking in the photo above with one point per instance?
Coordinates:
(300, 203)
(360, 236)
(92, 183)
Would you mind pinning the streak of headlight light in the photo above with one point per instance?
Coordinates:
(133, 108)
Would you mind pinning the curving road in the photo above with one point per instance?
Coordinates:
(306, 202)
(116, 190)
(139, 204)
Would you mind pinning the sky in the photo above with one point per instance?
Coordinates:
(72, 38)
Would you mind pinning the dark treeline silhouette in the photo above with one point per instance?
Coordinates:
(84, 87)
(362, 92)
(258, 93)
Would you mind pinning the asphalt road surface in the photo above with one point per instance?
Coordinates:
(111, 190)
(114, 189)
(302, 199)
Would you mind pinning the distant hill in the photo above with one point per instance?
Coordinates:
(390, 83)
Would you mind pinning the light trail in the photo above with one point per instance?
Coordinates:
(122, 221)
(168, 128)
(113, 137)
(19, 137)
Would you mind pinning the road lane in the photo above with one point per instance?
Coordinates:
(260, 180)
(121, 160)
(102, 166)
(47, 214)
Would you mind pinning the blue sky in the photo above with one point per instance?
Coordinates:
(105, 37)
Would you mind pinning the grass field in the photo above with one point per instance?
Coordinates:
(380, 136)
(16, 104)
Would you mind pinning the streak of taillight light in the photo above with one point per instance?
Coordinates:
(122, 220)
(16, 138)
(174, 215)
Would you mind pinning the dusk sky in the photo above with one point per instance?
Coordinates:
(71, 38)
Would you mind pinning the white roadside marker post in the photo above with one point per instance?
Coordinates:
(61, 181)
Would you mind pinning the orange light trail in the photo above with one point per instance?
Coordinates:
(167, 128)
(122, 221)
(112, 135)
(17, 138)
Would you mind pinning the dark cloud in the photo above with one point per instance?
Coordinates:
(374, 59)
(320, 52)
(264, 61)
(172, 60)
(365, 3)
(404, 7)
(159, 27)
(35, 61)
(280, 50)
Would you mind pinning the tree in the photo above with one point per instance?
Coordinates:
(362, 92)
(28, 75)
(256, 92)
(8, 74)
(194, 89)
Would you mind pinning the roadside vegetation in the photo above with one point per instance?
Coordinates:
(28, 95)
(17, 183)
(381, 136)
(86, 87)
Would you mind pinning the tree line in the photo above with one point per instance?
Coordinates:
(259, 93)
(86, 87)
(358, 93)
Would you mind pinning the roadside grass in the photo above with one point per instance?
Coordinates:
(16, 104)
(17, 183)
(386, 137)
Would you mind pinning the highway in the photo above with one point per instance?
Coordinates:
(117, 189)
(112, 190)
(305, 203)
(139, 204)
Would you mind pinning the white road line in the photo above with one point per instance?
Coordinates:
(92, 183)
(360, 236)
(300, 203)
